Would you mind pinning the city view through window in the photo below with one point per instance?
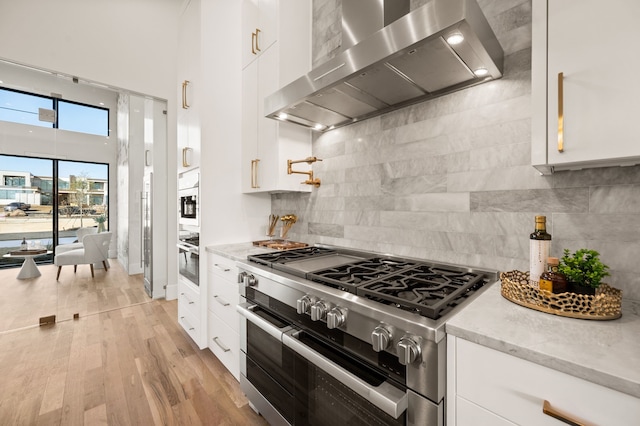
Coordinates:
(29, 188)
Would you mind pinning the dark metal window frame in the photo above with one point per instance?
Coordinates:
(55, 198)
(55, 100)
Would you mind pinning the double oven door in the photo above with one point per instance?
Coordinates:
(293, 377)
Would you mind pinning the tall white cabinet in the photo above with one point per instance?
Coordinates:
(276, 49)
(586, 96)
(188, 86)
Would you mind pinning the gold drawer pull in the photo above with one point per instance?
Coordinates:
(563, 417)
(560, 112)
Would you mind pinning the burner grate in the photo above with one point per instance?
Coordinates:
(349, 276)
(424, 289)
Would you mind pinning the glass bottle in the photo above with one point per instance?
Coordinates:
(23, 244)
(539, 248)
(553, 280)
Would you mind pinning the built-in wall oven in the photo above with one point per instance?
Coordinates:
(188, 195)
(189, 256)
(343, 337)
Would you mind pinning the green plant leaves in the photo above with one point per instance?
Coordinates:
(583, 267)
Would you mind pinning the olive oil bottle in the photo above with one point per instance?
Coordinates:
(539, 248)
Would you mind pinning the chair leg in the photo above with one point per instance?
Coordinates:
(91, 266)
(59, 269)
(104, 263)
(75, 268)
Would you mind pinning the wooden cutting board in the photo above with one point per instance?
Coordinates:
(279, 244)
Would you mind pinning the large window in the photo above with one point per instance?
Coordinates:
(82, 201)
(25, 108)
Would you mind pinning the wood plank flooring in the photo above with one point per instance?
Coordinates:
(23, 302)
(129, 364)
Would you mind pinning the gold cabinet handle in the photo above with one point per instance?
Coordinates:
(185, 158)
(560, 112)
(563, 417)
(254, 42)
(185, 104)
(254, 173)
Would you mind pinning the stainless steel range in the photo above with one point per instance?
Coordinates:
(337, 336)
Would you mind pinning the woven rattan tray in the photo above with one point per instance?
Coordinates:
(605, 305)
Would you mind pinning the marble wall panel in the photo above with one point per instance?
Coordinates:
(449, 179)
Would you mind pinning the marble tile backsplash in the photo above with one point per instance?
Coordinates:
(450, 179)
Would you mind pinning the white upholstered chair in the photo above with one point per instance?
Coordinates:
(95, 249)
(80, 233)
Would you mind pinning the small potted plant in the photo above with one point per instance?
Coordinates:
(583, 269)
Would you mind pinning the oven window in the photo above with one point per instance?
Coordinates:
(271, 355)
(189, 266)
(326, 401)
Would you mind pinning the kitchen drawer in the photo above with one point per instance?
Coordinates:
(190, 323)
(223, 298)
(224, 342)
(222, 267)
(515, 389)
(189, 296)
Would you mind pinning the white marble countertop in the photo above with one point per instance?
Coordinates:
(237, 251)
(603, 352)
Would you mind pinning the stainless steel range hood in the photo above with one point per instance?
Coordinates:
(407, 61)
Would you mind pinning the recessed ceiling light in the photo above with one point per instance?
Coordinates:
(481, 72)
(455, 38)
(318, 126)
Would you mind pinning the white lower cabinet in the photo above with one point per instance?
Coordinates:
(223, 319)
(189, 311)
(489, 387)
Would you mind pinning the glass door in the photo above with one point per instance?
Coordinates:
(26, 222)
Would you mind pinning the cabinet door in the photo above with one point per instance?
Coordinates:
(250, 160)
(259, 27)
(591, 46)
(188, 131)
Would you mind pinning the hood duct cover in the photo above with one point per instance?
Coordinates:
(405, 62)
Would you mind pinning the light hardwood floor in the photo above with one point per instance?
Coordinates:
(125, 361)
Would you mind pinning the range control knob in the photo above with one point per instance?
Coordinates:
(319, 310)
(250, 280)
(303, 305)
(408, 350)
(241, 276)
(380, 338)
(336, 317)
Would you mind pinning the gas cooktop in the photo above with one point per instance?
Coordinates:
(426, 288)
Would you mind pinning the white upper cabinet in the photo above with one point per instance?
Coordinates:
(585, 91)
(188, 120)
(259, 28)
(266, 143)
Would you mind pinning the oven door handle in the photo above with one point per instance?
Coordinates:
(386, 397)
(246, 310)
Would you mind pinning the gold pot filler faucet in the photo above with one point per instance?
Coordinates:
(309, 160)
